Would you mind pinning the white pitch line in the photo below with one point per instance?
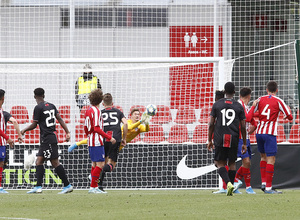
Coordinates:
(19, 218)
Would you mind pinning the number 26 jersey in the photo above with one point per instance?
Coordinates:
(228, 114)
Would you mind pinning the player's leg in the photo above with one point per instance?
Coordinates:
(2, 159)
(260, 138)
(112, 153)
(271, 151)
(97, 156)
(39, 173)
(224, 185)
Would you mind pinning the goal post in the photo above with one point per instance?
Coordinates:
(182, 89)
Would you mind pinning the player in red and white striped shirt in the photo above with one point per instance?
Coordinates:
(269, 107)
(94, 130)
(3, 139)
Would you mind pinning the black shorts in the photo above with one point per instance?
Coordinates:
(48, 151)
(226, 153)
(112, 150)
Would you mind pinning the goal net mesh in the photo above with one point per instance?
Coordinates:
(183, 93)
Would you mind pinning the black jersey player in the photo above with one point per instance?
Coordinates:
(112, 119)
(44, 115)
(227, 117)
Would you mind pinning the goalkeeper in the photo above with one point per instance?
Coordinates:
(136, 125)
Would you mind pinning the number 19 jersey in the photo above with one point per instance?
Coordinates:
(228, 114)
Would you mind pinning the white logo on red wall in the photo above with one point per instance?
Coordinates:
(193, 41)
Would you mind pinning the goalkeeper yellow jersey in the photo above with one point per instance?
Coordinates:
(135, 129)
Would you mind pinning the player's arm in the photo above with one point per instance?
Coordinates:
(64, 126)
(8, 140)
(144, 128)
(16, 126)
(243, 132)
(211, 128)
(125, 131)
(133, 126)
(72, 147)
(98, 84)
(104, 135)
(30, 127)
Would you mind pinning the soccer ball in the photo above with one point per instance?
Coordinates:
(151, 110)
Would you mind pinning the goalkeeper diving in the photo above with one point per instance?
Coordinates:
(134, 122)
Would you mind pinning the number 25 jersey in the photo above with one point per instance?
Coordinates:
(228, 114)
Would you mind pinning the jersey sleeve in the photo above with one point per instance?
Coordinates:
(36, 113)
(285, 110)
(144, 128)
(213, 112)
(242, 115)
(7, 116)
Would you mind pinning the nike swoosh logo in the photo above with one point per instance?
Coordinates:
(184, 172)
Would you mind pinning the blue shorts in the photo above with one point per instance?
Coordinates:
(97, 154)
(248, 152)
(2, 153)
(267, 144)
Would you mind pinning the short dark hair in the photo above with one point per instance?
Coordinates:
(107, 99)
(272, 86)
(245, 91)
(134, 110)
(39, 92)
(2, 92)
(96, 97)
(219, 94)
(229, 88)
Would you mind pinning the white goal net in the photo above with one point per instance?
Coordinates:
(181, 88)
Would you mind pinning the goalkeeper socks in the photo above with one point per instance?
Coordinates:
(247, 176)
(40, 171)
(62, 174)
(95, 176)
(231, 174)
(269, 176)
(224, 174)
(1, 171)
(239, 174)
(263, 165)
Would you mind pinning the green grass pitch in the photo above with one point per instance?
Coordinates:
(149, 204)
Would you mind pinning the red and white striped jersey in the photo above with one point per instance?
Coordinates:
(93, 118)
(249, 118)
(2, 127)
(269, 107)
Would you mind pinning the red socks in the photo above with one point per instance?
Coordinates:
(95, 176)
(269, 176)
(263, 165)
(243, 172)
(239, 174)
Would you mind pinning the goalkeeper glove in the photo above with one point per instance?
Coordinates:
(145, 117)
(72, 147)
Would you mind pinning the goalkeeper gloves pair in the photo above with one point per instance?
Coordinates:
(145, 119)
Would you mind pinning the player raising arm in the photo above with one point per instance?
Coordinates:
(269, 107)
(3, 139)
(93, 128)
(227, 116)
(45, 114)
